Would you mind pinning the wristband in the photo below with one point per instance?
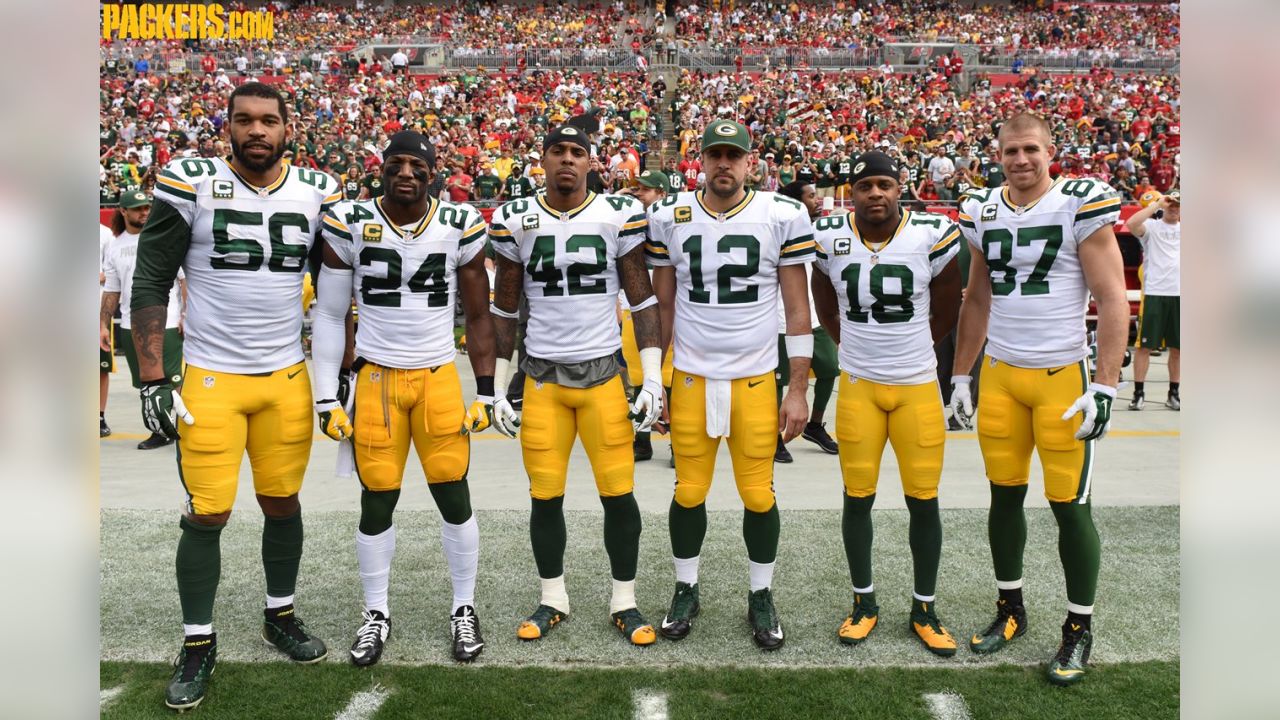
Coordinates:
(501, 367)
(503, 313)
(484, 385)
(1103, 390)
(799, 346)
(651, 365)
(961, 379)
(645, 303)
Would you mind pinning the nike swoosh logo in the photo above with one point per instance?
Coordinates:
(294, 374)
(472, 648)
(1055, 371)
(776, 634)
(1065, 673)
(666, 624)
(753, 384)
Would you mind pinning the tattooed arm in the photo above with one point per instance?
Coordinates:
(634, 278)
(161, 249)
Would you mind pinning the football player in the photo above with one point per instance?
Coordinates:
(892, 277)
(1161, 302)
(569, 251)
(406, 256)
(1040, 248)
(242, 231)
(106, 353)
(118, 272)
(722, 257)
(824, 364)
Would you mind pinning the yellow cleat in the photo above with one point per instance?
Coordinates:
(858, 625)
(634, 627)
(925, 624)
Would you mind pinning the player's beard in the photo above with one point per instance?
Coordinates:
(716, 188)
(254, 166)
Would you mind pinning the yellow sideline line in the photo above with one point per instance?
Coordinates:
(318, 437)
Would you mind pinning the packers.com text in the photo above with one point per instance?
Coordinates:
(163, 21)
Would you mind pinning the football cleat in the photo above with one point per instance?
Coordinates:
(540, 622)
(634, 627)
(1173, 402)
(642, 449)
(283, 630)
(467, 642)
(684, 608)
(1137, 402)
(927, 627)
(817, 433)
(1010, 622)
(103, 429)
(370, 638)
(191, 672)
(859, 624)
(155, 441)
(766, 628)
(1067, 667)
(782, 454)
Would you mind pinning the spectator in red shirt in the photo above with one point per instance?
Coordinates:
(208, 64)
(690, 167)
(1162, 176)
(458, 186)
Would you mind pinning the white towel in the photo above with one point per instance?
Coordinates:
(346, 451)
(719, 407)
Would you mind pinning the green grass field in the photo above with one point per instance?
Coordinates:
(585, 669)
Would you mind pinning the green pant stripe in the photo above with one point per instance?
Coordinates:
(1086, 467)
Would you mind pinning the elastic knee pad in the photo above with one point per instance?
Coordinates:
(689, 495)
(757, 499)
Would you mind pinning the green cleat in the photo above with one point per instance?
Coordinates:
(766, 628)
(284, 631)
(191, 672)
(1067, 667)
(540, 623)
(634, 627)
(678, 621)
(1010, 622)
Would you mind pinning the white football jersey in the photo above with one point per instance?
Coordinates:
(246, 259)
(1038, 290)
(570, 270)
(726, 264)
(406, 278)
(884, 294)
(121, 260)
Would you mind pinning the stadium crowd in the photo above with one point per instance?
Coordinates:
(489, 123)
(1100, 32)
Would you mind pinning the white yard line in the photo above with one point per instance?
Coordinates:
(363, 705)
(108, 695)
(947, 706)
(649, 705)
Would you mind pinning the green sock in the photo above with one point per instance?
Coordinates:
(1007, 530)
(761, 531)
(1080, 550)
(855, 525)
(822, 389)
(281, 552)
(866, 600)
(925, 536)
(688, 528)
(376, 509)
(199, 564)
(622, 535)
(453, 500)
(547, 533)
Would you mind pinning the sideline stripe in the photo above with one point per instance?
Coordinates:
(649, 705)
(108, 696)
(363, 705)
(319, 436)
(947, 706)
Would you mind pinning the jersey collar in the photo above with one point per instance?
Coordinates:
(264, 190)
(563, 216)
(722, 216)
(1019, 210)
(418, 228)
(896, 232)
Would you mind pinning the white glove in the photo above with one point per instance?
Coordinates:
(505, 419)
(1095, 403)
(962, 400)
(647, 407)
